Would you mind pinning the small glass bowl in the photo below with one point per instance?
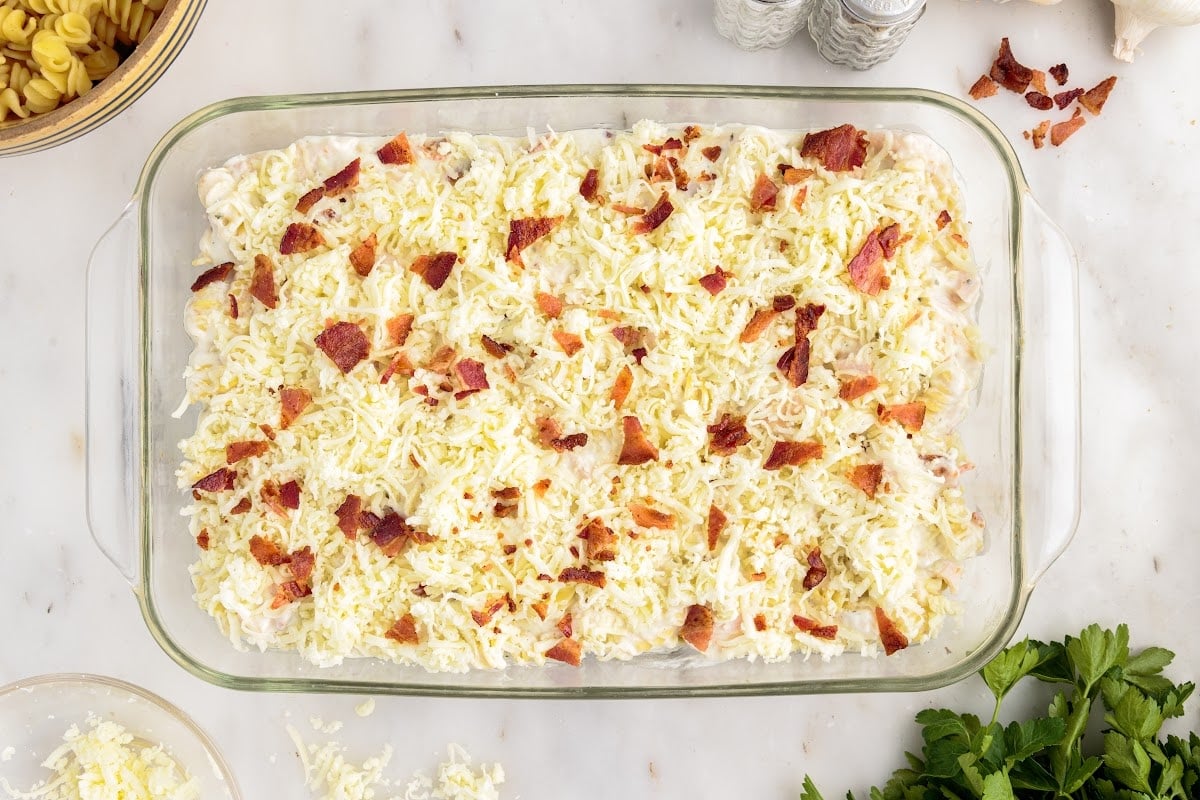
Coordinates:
(36, 712)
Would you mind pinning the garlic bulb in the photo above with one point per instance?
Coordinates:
(1136, 18)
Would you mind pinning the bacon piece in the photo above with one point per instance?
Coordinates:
(566, 626)
(910, 415)
(344, 179)
(1039, 133)
(219, 273)
(799, 198)
(943, 219)
(621, 387)
(838, 149)
(262, 282)
(793, 175)
(601, 541)
(691, 133)
(636, 448)
(889, 634)
(300, 237)
(310, 199)
(292, 401)
(1061, 131)
(1095, 98)
(727, 434)
(794, 363)
(758, 323)
(654, 217)
(711, 153)
(349, 516)
(866, 268)
(783, 302)
(289, 495)
(1060, 73)
(472, 374)
(1039, 101)
(889, 240)
(242, 506)
(362, 258)
(435, 269)
(1009, 72)
(302, 562)
(578, 575)
(391, 534)
(202, 539)
(816, 569)
(814, 628)
(624, 209)
(524, 232)
(760, 622)
(715, 282)
(397, 151)
(219, 481)
(289, 592)
(1064, 99)
(568, 651)
(793, 454)
(548, 430)
(236, 451)
(1038, 83)
(569, 442)
(715, 523)
(984, 87)
(484, 615)
(856, 386)
(404, 631)
(345, 344)
(399, 327)
(569, 342)
(762, 196)
(549, 305)
(867, 478)
(647, 517)
(659, 171)
(589, 185)
(266, 552)
(494, 348)
(541, 487)
(233, 307)
(697, 627)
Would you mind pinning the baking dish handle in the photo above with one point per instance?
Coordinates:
(1050, 391)
(112, 387)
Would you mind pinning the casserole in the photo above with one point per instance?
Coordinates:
(1022, 434)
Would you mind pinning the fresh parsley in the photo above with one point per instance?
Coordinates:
(1047, 758)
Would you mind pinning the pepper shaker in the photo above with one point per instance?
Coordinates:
(753, 24)
(862, 33)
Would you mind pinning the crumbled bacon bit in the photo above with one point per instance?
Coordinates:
(636, 448)
(485, 614)
(889, 240)
(507, 493)
(984, 87)
(349, 516)
(715, 523)
(233, 307)
(220, 272)
(472, 374)
(547, 431)
(524, 232)
(794, 363)
(579, 575)
(589, 185)
(715, 282)
(762, 196)
(288, 592)
(655, 216)
(798, 202)
(236, 451)
(242, 506)
(266, 552)
(813, 628)
(1095, 98)
(292, 401)
(838, 149)
(867, 478)
(541, 487)
(1039, 133)
(660, 170)
(568, 651)
(760, 622)
(566, 626)
(793, 454)
(569, 442)
(435, 269)
(691, 133)
(310, 199)
(783, 302)
(624, 209)
(601, 541)
(1009, 72)
(638, 354)
(910, 415)
(397, 151)
(549, 305)
(624, 334)
(889, 634)
(345, 344)
(647, 517)
(300, 237)
(1039, 101)
(697, 627)
(494, 348)
(344, 179)
(391, 534)
(621, 387)
(816, 569)
(1038, 83)
(1064, 99)
(793, 175)
(289, 495)
(1060, 73)
(758, 323)
(569, 342)
(362, 258)
(302, 562)
(1061, 131)
(943, 219)
(727, 434)
(202, 539)
(262, 282)
(404, 631)
(218, 481)
(441, 360)
(866, 268)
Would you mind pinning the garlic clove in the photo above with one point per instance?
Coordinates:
(1131, 30)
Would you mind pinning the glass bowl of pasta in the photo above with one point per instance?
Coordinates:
(69, 66)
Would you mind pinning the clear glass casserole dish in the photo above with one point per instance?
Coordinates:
(1022, 433)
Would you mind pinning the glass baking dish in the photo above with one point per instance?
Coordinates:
(1022, 434)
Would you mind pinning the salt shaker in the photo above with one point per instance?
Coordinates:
(753, 24)
(862, 33)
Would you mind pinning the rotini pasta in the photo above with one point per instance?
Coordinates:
(132, 18)
(41, 96)
(16, 27)
(10, 103)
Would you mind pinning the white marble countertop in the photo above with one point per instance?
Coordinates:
(1124, 190)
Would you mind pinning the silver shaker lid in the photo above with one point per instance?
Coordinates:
(884, 12)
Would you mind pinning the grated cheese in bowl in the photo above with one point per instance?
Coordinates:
(416, 364)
